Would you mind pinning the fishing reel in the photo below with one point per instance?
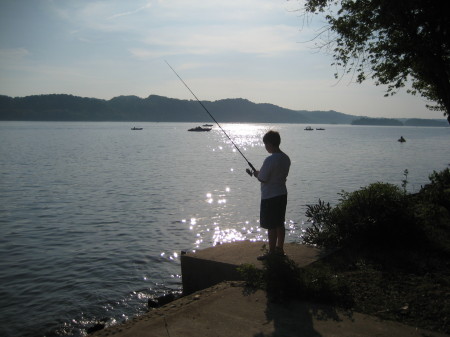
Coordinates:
(250, 173)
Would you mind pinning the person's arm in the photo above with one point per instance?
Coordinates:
(256, 174)
(263, 175)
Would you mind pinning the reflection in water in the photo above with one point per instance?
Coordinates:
(219, 222)
(210, 231)
(245, 136)
(226, 235)
(136, 199)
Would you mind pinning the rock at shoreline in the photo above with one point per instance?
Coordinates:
(161, 300)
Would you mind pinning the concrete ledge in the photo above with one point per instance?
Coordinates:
(213, 265)
(227, 309)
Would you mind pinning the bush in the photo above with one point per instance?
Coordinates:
(432, 212)
(373, 216)
(383, 215)
(438, 191)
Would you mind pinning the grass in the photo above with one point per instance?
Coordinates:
(391, 258)
(421, 301)
(397, 286)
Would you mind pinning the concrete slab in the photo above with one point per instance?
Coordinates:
(207, 267)
(229, 309)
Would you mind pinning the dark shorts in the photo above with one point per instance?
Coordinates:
(273, 212)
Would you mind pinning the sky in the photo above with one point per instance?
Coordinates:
(260, 50)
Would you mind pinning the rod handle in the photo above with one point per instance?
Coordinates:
(252, 167)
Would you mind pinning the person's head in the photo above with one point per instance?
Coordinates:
(272, 141)
(273, 138)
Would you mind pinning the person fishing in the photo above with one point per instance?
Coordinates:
(272, 176)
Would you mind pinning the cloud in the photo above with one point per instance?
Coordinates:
(13, 53)
(145, 54)
(13, 58)
(161, 28)
(100, 16)
(115, 16)
(219, 9)
(262, 41)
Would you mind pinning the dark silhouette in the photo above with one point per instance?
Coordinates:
(377, 121)
(391, 42)
(61, 107)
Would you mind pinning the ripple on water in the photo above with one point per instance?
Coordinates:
(94, 216)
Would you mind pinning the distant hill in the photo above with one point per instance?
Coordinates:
(61, 107)
(425, 122)
(377, 121)
(328, 117)
(400, 122)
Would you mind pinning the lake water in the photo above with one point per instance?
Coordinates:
(93, 216)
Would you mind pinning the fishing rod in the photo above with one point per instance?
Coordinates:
(250, 164)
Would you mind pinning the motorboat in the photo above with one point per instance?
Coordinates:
(200, 129)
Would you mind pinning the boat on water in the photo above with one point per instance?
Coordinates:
(401, 139)
(135, 128)
(308, 128)
(208, 125)
(200, 129)
(320, 129)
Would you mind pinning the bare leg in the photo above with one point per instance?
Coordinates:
(273, 235)
(281, 233)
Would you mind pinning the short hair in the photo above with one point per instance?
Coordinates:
(272, 137)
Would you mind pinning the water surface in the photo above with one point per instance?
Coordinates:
(94, 216)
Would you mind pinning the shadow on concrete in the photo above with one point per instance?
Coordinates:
(288, 310)
(296, 318)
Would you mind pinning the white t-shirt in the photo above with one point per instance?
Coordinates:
(273, 174)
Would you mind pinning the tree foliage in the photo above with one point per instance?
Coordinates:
(393, 42)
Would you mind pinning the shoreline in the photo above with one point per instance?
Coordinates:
(229, 308)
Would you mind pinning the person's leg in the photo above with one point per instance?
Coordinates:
(273, 235)
(280, 234)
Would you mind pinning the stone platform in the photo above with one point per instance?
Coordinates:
(207, 267)
(228, 309)
(224, 309)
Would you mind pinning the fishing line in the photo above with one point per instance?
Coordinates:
(251, 166)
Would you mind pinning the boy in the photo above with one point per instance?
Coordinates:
(272, 176)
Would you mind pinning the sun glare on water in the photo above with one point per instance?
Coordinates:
(245, 135)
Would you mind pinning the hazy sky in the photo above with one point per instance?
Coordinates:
(260, 50)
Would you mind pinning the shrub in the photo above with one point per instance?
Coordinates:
(438, 191)
(323, 230)
(372, 216)
(384, 215)
(432, 212)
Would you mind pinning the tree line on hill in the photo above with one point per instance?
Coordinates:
(62, 107)
(399, 122)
